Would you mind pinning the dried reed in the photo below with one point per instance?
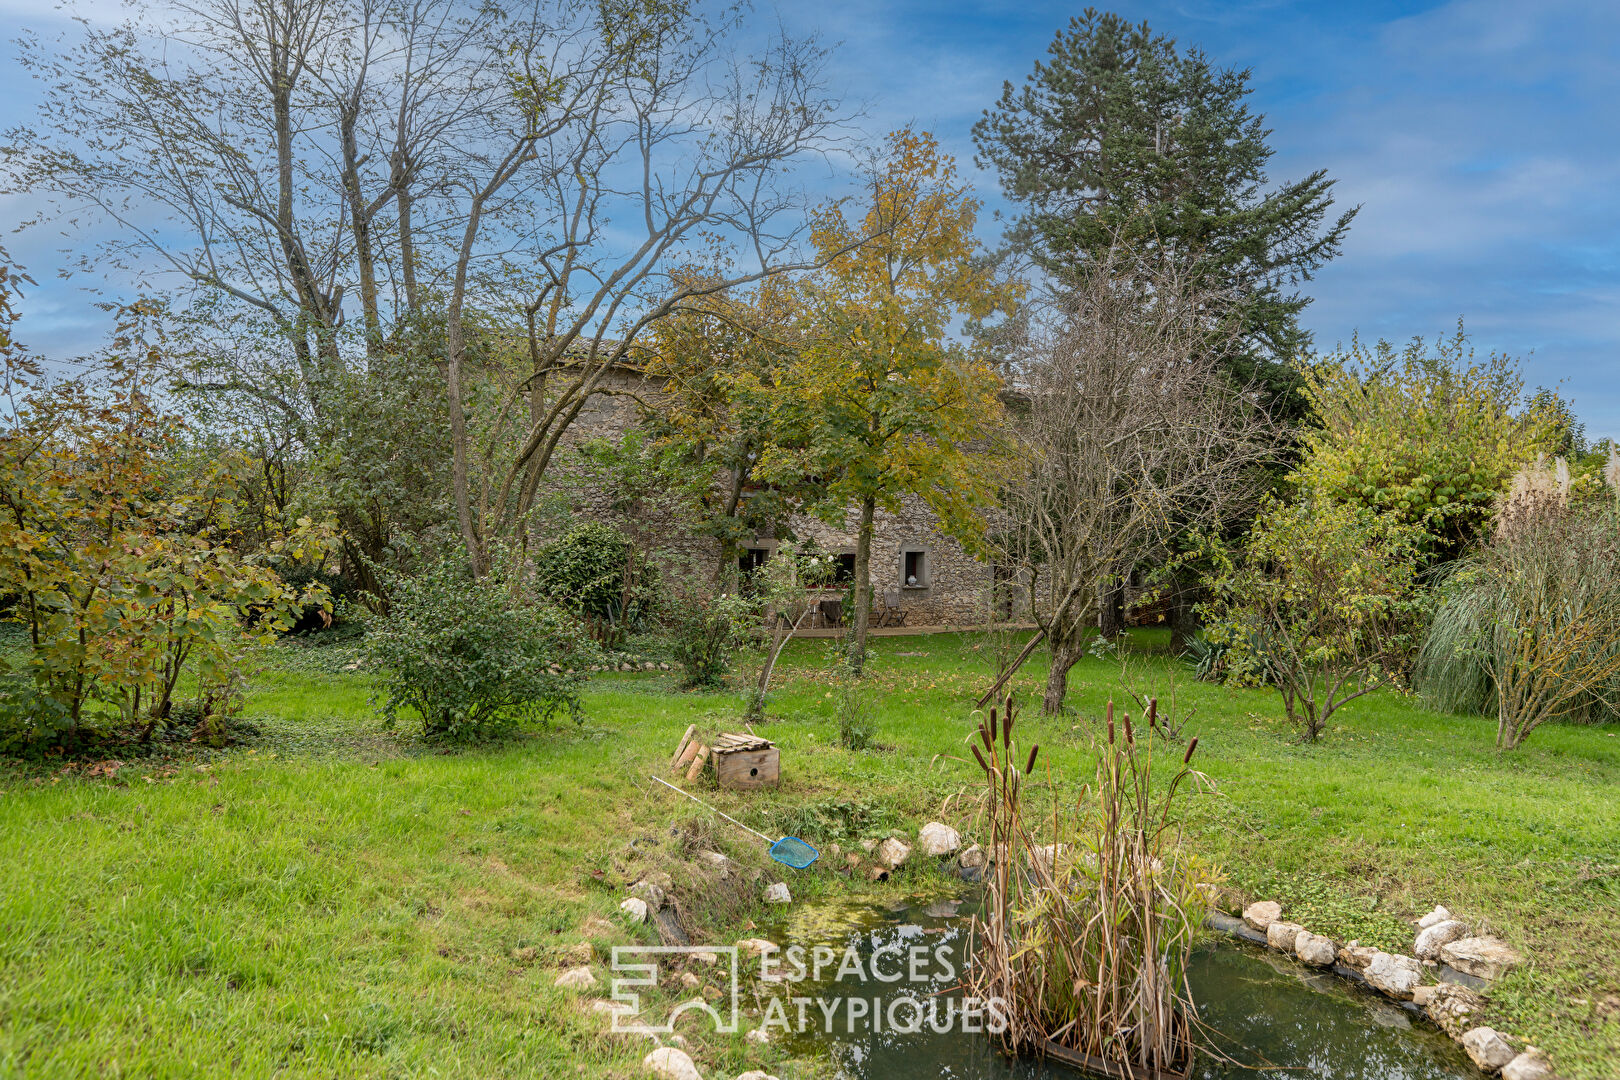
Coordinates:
(1092, 909)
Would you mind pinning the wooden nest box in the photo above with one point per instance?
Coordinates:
(740, 761)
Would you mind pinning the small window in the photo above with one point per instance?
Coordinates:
(752, 559)
(845, 572)
(914, 569)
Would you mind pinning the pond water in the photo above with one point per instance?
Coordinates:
(1267, 1009)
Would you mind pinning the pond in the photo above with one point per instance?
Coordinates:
(1267, 1009)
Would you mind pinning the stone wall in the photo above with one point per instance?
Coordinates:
(953, 588)
(608, 414)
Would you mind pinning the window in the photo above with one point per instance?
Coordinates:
(914, 569)
(845, 572)
(752, 559)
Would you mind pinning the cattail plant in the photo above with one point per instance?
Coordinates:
(1092, 906)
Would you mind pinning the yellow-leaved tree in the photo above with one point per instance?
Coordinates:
(721, 354)
(1431, 437)
(881, 401)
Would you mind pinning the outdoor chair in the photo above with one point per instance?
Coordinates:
(891, 614)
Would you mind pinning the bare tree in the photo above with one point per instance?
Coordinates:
(1126, 432)
(545, 160)
(682, 138)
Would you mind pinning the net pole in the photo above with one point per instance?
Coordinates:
(712, 810)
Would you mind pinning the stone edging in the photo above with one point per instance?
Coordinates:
(1464, 965)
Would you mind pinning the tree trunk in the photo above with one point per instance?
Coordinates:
(1184, 622)
(407, 247)
(863, 586)
(726, 574)
(360, 226)
(1065, 651)
(1111, 606)
(455, 345)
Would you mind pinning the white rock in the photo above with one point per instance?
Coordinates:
(1314, 949)
(1395, 975)
(937, 838)
(706, 957)
(754, 946)
(758, 1035)
(1481, 957)
(869, 846)
(1261, 914)
(1488, 1049)
(576, 979)
(778, 894)
(602, 1006)
(1430, 938)
(1438, 915)
(636, 908)
(972, 858)
(892, 853)
(1529, 1065)
(1282, 935)
(690, 981)
(668, 1063)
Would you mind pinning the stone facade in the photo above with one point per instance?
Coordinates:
(951, 588)
(935, 582)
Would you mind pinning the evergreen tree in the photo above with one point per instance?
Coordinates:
(1118, 134)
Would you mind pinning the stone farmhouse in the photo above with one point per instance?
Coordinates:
(920, 576)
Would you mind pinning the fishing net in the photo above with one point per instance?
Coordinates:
(794, 852)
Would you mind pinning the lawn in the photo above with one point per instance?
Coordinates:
(333, 898)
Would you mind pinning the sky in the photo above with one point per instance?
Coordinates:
(1479, 137)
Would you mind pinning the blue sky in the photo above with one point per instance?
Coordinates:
(1480, 137)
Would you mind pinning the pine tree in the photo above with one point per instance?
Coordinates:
(1119, 135)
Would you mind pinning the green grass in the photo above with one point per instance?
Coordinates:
(337, 899)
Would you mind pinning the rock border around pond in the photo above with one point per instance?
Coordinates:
(1464, 964)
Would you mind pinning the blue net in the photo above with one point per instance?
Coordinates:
(794, 852)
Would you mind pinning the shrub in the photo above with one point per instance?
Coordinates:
(1321, 602)
(314, 578)
(1428, 436)
(1530, 625)
(593, 571)
(1449, 672)
(854, 704)
(470, 657)
(120, 553)
(705, 633)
